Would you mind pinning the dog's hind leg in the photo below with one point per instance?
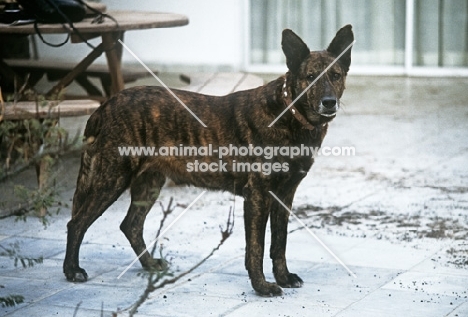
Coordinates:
(144, 191)
(96, 190)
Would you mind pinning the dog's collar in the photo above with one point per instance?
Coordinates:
(287, 99)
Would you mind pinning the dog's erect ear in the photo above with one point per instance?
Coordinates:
(294, 49)
(342, 39)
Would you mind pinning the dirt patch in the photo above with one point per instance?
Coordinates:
(398, 225)
(458, 256)
(398, 228)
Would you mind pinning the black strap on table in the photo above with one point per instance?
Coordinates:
(97, 20)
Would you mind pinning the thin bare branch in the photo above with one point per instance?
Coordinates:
(155, 277)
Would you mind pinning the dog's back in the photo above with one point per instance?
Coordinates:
(148, 117)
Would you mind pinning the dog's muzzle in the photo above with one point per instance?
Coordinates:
(328, 107)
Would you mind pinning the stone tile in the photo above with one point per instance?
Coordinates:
(273, 308)
(34, 248)
(106, 253)
(33, 290)
(49, 270)
(303, 246)
(460, 311)
(93, 297)
(49, 311)
(55, 230)
(12, 226)
(188, 304)
(431, 284)
(385, 254)
(384, 302)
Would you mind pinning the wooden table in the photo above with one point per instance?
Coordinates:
(109, 33)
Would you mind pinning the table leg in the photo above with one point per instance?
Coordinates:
(9, 76)
(80, 68)
(114, 60)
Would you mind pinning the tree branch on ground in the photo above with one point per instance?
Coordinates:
(155, 278)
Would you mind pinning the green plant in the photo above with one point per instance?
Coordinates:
(41, 201)
(38, 142)
(11, 300)
(24, 143)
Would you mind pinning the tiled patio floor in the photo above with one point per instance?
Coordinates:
(396, 213)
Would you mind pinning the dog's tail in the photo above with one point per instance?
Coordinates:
(93, 126)
(89, 161)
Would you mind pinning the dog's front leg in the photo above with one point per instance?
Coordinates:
(279, 229)
(257, 204)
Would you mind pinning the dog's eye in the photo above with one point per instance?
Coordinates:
(310, 78)
(336, 76)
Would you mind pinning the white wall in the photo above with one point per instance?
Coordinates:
(213, 39)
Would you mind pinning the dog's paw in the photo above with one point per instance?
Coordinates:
(268, 289)
(156, 265)
(290, 281)
(76, 275)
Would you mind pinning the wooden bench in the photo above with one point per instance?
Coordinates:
(29, 110)
(57, 70)
(219, 84)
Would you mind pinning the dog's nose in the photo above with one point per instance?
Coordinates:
(329, 103)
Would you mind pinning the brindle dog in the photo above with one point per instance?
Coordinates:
(152, 117)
